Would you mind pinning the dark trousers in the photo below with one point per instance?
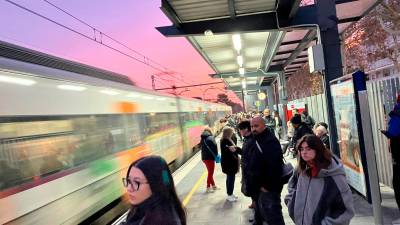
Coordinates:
(395, 149)
(230, 183)
(269, 208)
(210, 164)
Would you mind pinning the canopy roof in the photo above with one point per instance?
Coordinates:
(274, 35)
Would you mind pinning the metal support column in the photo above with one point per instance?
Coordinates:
(243, 101)
(270, 98)
(328, 25)
(281, 81)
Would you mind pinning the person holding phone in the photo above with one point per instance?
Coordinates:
(229, 161)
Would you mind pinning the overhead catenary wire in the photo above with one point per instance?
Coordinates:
(146, 59)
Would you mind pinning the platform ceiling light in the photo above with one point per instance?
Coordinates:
(241, 71)
(237, 42)
(71, 87)
(261, 96)
(208, 32)
(16, 80)
(244, 84)
(109, 92)
(240, 60)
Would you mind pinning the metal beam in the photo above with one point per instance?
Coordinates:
(337, 2)
(273, 42)
(350, 19)
(306, 40)
(248, 88)
(170, 12)
(249, 23)
(257, 73)
(232, 10)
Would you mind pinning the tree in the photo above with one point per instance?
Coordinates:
(303, 84)
(223, 98)
(374, 37)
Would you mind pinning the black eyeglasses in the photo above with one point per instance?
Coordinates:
(133, 183)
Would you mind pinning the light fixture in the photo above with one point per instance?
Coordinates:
(71, 87)
(244, 84)
(237, 42)
(109, 92)
(261, 96)
(241, 71)
(240, 60)
(16, 80)
(208, 32)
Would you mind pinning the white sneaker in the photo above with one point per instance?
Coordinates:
(231, 198)
(236, 197)
(209, 190)
(215, 188)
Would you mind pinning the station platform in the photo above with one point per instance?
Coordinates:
(213, 208)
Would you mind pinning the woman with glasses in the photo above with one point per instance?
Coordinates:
(318, 190)
(152, 194)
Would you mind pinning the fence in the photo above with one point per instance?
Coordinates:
(382, 95)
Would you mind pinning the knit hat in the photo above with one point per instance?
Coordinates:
(296, 119)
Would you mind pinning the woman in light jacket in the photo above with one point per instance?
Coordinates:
(318, 190)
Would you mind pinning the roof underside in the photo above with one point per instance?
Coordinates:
(271, 39)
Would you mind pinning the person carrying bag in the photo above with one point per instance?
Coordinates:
(209, 155)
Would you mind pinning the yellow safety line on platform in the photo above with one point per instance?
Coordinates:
(195, 187)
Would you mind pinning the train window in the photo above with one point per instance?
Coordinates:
(27, 155)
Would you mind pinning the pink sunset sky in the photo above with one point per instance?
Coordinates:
(132, 22)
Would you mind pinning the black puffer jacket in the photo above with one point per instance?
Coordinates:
(299, 132)
(209, 149)
(229, 160)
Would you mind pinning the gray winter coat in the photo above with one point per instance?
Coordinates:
(322, 200)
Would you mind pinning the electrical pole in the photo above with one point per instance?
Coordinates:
(153, 84)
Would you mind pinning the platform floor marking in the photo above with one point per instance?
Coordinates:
(194, 189)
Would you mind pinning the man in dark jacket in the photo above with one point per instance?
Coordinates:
(307, 119)
(300, 129)
(265, 169)
(393, 133)
(269, 120)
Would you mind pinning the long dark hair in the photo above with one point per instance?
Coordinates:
(322, 158)
(161, 183)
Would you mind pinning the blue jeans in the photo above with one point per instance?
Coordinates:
(230, 183)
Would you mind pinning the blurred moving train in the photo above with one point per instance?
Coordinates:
(68, 132)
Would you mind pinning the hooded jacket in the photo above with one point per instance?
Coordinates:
(322, 200)
(209, 149)
(394, 123)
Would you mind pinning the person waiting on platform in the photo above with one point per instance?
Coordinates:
(307, 119)
(229, 161)
(300, 129)
(269, 120)
(152, 194)
(393, 133)
(318, 192)
(266, 170)
(209, 153)
(321, 132)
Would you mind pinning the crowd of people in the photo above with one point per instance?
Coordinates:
(318, 192)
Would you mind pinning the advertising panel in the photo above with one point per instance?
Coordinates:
(343, 98)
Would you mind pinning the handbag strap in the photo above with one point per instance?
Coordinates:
(209, 148)
(261, 151)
